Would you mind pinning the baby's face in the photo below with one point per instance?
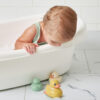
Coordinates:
(52, 40)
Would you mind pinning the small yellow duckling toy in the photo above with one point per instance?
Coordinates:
(54, 75)
(53, 90)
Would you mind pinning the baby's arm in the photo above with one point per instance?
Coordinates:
(25, 40)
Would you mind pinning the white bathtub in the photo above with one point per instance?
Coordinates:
(18, 68)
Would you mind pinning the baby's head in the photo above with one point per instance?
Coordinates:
(59, 25)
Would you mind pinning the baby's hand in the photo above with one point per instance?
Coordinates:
(30, 47)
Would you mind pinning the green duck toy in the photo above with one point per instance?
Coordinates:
(36, 85)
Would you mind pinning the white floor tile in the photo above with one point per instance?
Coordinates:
(13, 94)
(93, 58)
(81, 87)
(32, 95)
(79, 64)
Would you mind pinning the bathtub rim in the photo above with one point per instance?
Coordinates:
(20, 53)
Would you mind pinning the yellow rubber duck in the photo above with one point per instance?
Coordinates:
(53, 90)
(55, 75)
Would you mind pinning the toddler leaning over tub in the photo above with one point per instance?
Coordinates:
(58, 26)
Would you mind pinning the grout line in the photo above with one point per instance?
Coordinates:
(25, 93)
(86, 59)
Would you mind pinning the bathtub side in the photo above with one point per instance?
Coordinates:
(21, 71)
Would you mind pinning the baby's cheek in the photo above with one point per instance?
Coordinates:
(57, 44)
(54, 44)
(51, 43)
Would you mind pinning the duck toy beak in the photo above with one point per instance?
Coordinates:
(57, 86)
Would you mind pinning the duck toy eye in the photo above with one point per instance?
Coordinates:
(54, 84)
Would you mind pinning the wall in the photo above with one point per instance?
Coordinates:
(89, 10)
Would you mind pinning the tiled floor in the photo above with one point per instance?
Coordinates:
(81, 82)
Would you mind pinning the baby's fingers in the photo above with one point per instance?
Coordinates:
(36, 45)
(27, 48)
(32, 49)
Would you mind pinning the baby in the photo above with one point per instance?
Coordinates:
(58, 26)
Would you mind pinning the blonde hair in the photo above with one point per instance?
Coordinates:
(62, 21)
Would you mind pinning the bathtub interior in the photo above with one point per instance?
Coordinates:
(12, 29)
